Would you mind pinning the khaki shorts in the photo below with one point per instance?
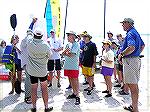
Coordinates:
(87, 71)
(131, 70)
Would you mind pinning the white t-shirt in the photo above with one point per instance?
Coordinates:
(55, 44)
(109, 55)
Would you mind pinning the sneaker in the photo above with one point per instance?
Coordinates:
(50, 85)
(108, 95)
(122, 87)
(77, 101)
(85, 83)
(118, 85)
(28, 100)
(89, 92)
(71, 96)
(11, 92)
(116, 81)
(33, 110)
(58, 85)
(93, 84)
(88, 89)
(123, 93)
(48, 109)
(69, 87)
(106, 91)
(129, 108)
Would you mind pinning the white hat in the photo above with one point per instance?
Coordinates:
(130, 20)
(38, 32)
(72, 33)
(52, 30)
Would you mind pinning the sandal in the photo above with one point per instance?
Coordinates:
(11, 92)
(28, 100)
(129, 108)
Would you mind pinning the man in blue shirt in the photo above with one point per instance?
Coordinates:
(132, 47)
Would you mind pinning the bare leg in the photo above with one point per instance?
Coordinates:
(19, 75)
(134, 95)
(120, 77)
(50, 75)
(115, 72)
(90, 81)
(34, 94)
(75, 86)
(58, 75)
(44, 93)
(13, 78)
(108, 83)
(126, 88)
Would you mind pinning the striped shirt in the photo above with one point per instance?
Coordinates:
(38, 55)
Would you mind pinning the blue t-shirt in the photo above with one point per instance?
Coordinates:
(82, 43)
(133, 38)
(72, 63)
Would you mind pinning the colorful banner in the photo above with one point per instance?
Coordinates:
(53, 16)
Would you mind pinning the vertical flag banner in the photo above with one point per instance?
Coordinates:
(53, 16)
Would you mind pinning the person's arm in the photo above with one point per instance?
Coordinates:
(32, 23)
(60, 46)
(110, 57)
(128, 50)
(142, 45)
(130, 45)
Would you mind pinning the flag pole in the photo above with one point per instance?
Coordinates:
(65, 21)
(104, 18)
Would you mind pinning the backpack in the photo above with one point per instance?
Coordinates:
(8, 57)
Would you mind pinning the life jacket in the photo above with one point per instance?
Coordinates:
(9, 56)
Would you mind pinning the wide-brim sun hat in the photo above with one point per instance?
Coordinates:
(85, 34)
(106, 42)
(38, 32)
(72, 33)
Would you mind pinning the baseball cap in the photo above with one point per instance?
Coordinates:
(110, 33)
(130, 20)
(52, 30)
(115, 42)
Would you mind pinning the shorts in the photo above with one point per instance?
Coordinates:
(50, 65)
(87, 71)
(34, 80)
(106, 71)
(131, 70)
(18, 65)
(71, 73)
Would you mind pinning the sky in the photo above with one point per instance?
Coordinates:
(82, 15)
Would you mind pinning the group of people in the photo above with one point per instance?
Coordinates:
(126, 60)
(37, 56)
